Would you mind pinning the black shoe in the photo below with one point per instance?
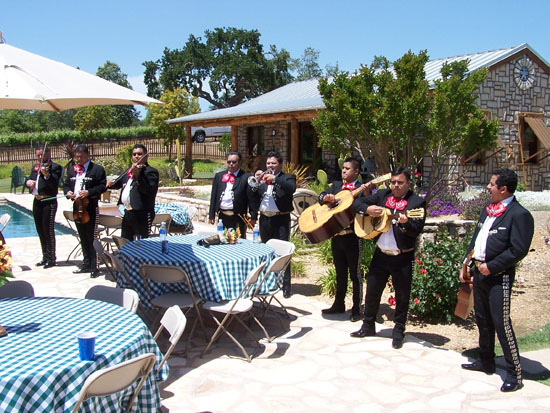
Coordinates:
(286, 292)
(508, 386)
(94, 274)
(364, 331)
(397, 342)
(334, 310)
(49, 264)
(487, 367)
(82, 270)
(41, 263)
(354, 317)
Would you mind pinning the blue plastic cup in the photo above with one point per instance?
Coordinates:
(86, 345)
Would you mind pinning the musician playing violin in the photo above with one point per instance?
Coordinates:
(140, 185)
(347, 248)
(394, 252)
(43, 183)
(84, 184)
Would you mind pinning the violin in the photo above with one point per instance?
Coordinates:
(80, 208)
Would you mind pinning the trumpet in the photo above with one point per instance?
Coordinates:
(254, 181)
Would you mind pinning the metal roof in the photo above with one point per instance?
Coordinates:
(300, 96)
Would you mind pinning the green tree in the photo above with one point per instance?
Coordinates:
(226, 68)
(307, 66)
(90, 118)
(126, 115)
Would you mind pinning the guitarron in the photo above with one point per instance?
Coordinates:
(465, 301)
(321, 222)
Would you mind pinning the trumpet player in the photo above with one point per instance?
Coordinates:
(140, 185)
(43, 183)
(230, 196)
(273, 201)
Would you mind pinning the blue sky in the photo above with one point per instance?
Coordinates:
(88, 33)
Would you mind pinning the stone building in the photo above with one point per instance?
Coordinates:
(516, 91)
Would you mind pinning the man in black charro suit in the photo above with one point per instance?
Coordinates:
(501, 239)
(43, 183)
(394, 252)
(230, 196)
(86, 180)
(346, 247)
(140, 185)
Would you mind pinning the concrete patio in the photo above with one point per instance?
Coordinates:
(313, 365)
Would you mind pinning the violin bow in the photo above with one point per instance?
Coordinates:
(126, 171)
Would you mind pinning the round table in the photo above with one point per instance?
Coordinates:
(217, 272)
(41, 370)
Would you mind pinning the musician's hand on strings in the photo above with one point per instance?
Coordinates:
(30, 184)
(83, 193)
(375, 211)
(366, 188)
(403, 218)
(109, 183)
(70, 195)
(329, 199)
(483, 269)
(45, 171)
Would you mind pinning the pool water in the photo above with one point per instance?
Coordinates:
(21, 223)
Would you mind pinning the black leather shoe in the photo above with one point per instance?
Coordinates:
(94, 274)
(510, 386)
(41, 263)
(334, 310)
(286, 292)
(364, 331)
(49, 264)
(355, 317)
(82, 270)
(397, 342)
(487, 367)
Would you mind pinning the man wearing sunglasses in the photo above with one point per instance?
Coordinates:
(230, 195)
(394, 252)
(139, 188)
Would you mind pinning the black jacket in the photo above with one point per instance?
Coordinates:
(95, 186)
(144, 189)
(509, 238)
(47, 186)
(283, 191)
(405, 234)
(241, 193)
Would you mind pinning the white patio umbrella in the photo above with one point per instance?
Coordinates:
(32, 82)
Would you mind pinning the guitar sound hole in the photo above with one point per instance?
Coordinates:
(335, 204)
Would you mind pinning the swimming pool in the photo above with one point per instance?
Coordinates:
(22, 222)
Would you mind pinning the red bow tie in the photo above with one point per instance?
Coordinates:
(229, 178)
(36, 167)
(79, 169)
(350, 186)
(398, 204)
(130, 173)
(495, 209)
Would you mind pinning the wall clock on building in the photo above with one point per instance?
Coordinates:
(524, 73)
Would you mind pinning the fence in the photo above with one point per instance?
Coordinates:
(102, 149)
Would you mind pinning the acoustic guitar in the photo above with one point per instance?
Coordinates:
(465, 301)
(321, 222)
(369, 227)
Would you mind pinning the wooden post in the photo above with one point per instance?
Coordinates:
(234, 138)
(188, 152)
(294, 141)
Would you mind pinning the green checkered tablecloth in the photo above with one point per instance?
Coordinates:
(217, 272)
(40, 367)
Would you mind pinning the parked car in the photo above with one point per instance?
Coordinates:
(199, 133)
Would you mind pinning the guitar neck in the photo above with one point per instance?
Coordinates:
(375, 181)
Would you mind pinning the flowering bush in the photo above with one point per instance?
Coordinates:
(435, 282)
(5, 263)
(471, 208)
(445, 200)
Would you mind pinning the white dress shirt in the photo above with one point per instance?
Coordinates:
(481, 240)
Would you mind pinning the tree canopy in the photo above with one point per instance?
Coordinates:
(227, 67)
(307, 66)
(390, 113)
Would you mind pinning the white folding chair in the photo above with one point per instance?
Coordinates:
(17, 288)
(123, 297)
(4, 219)
(69, 217)
(232, 309)
(114, 379)
(174, 322)
(191, 211)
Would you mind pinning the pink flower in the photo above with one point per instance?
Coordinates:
(391, 300)
(438, 260)
(423, 271)
(419, 262)
(416, 300)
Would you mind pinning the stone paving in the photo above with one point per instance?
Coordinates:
(313, 364)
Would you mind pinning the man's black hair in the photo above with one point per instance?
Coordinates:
(506, 177)
(402, 170)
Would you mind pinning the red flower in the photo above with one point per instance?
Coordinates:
(419, 262)
(438, 260)
(418, 174)
(391, 300)
(389, 284)
(416, 300)
(423, 271)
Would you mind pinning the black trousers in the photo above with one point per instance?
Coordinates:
(87, 233)
(278, 227)
(381, 267)
(233, 221)
(136, 223)
(44, 220)
(346, 251)
(492, 311)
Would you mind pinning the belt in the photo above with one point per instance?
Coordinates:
(272, 214)
(228, 212)
(394, 253)
(477, 263)
(344, 232)
(39, 197)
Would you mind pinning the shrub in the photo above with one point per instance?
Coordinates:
(297, 269)
(444, 201)
(435, 278)
(471, 208)
(111, 165)
(327, 282)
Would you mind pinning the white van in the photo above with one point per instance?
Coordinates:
(199, 133)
